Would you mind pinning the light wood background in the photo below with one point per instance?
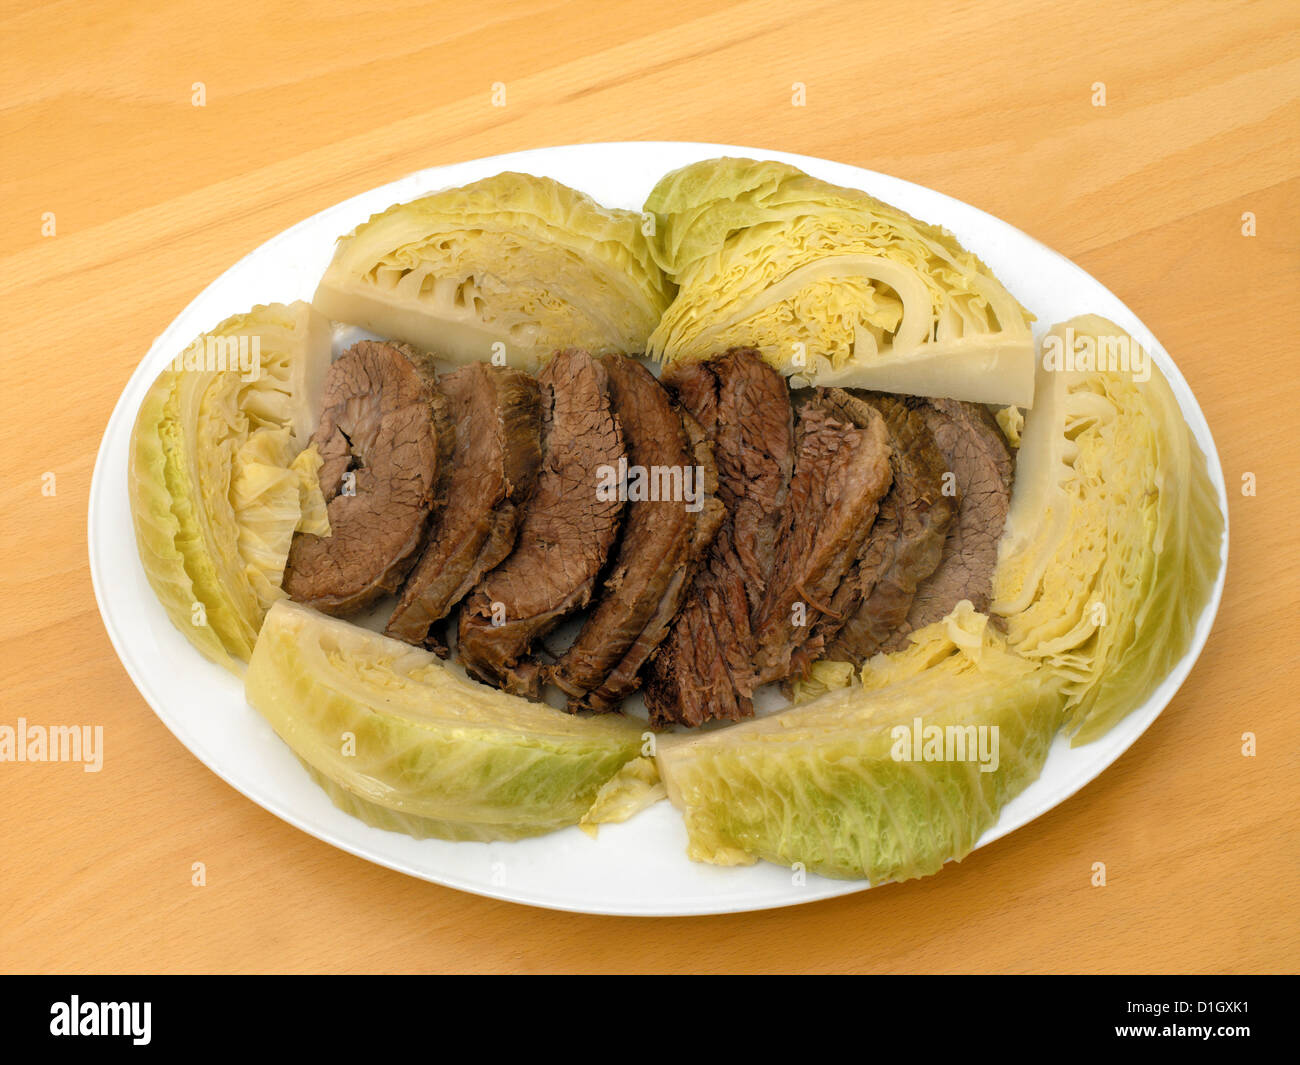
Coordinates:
(990, 102)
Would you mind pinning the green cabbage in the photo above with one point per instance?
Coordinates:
(406, 742)
(629, 791)
(824, 675)
(1113, 537)
(515, 260)
(314, 515)
(829, 784)
(832, 285)
(216, 491)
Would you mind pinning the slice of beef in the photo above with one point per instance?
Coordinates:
(671, 516)
(906, 541)
(691, 679)
(753, 435)
(493, 470)
(707, 524)
(383, 420)
(841, 473)
(982, 465)
(564, 538)
(865, 569)
(704, 669)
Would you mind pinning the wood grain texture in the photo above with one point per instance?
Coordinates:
(991, 103)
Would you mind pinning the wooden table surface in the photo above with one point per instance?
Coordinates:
(151, 197)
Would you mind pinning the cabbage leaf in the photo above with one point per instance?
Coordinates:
(823, 676)
(629, 791)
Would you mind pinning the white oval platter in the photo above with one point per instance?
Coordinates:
(636, 868)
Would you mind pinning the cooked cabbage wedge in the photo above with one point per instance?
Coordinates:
(833, 286)
(515, 260)
(832, 784)
(407, 743)
(218, 481)
(1113, 538)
